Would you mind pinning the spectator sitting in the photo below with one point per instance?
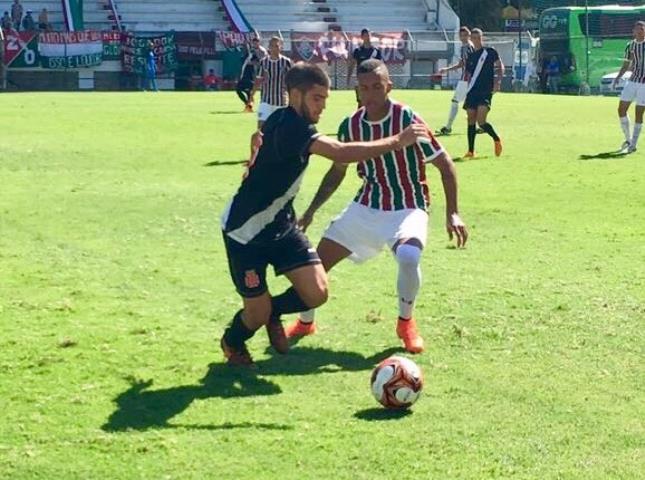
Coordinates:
(28, 23)
(6, 22)
(16, 14)
(43, 20)
(211, 81)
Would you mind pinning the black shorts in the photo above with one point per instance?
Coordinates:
(244, 85)
(475, 100)
(248, 263)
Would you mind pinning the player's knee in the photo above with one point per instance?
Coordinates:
(408, 256)
(317, 294)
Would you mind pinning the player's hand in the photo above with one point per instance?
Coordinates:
(412, 133)
(457, 228)
(305, 221)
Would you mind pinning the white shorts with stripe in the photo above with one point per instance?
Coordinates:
(366, 231)
(265, 110)
(460, 91)
(634, 92)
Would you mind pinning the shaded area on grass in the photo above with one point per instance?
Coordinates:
(217, 163)
(379, 414)
(139, 408)
(604, 155)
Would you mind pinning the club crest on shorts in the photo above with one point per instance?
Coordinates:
(251, 279)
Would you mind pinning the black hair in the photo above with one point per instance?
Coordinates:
(364, 31)
(303, 76)
(464, 30)
(371, 65)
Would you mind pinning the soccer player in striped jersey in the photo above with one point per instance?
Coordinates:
(634, 89)
(391, 208)
(259, 223)
(248, 73)
(273, 69)
(462, 86)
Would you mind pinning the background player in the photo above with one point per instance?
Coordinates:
(485, 71)
(248, 73)
(259, 223)
(391, 208)
(462, 86)
(365, 52)
(271, 79)
(634, 89)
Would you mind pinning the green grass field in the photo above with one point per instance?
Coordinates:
(114, 291)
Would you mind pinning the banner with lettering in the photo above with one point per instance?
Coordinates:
(235, 40)
(394, 45)
(60, 50)
(111, 45)
(136, 49)
(20, 49)
(195, 45)
(318, 47)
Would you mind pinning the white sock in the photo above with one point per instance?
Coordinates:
(409, 280)
(624, 124)
(637, 133)
(454, 108)
(308, 317)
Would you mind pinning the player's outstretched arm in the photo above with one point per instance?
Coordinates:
(360, 151)
(330, 183)
(454, 225)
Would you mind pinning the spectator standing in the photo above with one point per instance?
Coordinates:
(16, 14)
(43, 20)
(6, 22)
(151, 69)
(553, 73)
(28, 23)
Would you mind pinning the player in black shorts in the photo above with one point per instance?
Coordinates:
(360, 54)
(259, 223)
(249, 71)
(484, 72)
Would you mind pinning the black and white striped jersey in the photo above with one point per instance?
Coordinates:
(274, 87)
(635, 53)
(262, 209)
(466, 50)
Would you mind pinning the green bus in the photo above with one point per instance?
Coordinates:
(563, 34)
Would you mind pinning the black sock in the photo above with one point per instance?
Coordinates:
(288, 302)
(472, 133)
(242, 95)
(237, 333)
(488, 128)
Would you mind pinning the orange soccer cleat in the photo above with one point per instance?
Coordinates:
(236, 357)
(300, 329)
(498, 148)
(407, 331)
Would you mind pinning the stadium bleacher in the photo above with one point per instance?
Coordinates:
(163, 15)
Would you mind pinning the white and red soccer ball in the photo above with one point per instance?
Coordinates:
(397, 382)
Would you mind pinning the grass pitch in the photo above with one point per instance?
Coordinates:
(114, 290)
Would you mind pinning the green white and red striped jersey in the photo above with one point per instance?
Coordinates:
(396, 180)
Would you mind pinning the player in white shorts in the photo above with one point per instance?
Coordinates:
(391, 208)
(634, 90)
(273, 69)
(462, 86)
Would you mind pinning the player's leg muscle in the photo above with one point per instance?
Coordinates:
(311, 284)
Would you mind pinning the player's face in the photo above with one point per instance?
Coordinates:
(373, 88)
(314, 103)
(464, 37)
(366, 38)
(476, 38)
(639, 32)
(274, 48)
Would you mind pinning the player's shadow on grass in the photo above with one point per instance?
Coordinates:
(139, 408)
(228, 112)
(604, 155)
(218, 163)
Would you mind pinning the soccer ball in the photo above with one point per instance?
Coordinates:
(397, 382)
